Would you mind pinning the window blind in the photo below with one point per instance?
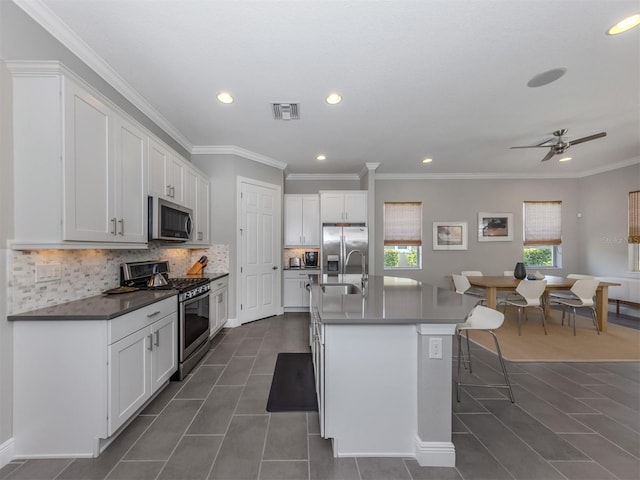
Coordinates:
(634, 217)
(543, 223)
(403, 223)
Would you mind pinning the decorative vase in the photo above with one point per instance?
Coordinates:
(520, 272)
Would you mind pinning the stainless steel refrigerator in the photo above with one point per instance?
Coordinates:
(340, 243)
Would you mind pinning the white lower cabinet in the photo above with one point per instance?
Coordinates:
(139, 365)
(295, 293)
(76, 382)
(218, 304)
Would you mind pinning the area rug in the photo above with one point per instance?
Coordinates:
(617, 344)
(293, 385)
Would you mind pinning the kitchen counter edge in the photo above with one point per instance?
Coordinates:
(97, 307)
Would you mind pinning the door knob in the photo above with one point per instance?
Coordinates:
(274, 267)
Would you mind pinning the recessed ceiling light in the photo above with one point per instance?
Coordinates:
(321, 157)
(427, 160)
(624, 25)
(565, 159)
(225, 97)
(333, 99)
(546, 78)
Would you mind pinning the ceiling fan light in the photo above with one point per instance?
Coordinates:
(225, 97)
(624, 25)
(565, 159)
(321, 157)
(427, 160)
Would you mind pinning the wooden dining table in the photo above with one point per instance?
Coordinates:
(494, 283)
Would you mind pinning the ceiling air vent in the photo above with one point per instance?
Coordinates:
(285, 111)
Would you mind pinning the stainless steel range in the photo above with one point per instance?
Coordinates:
(193, 307)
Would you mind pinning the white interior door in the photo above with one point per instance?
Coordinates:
(260, 240)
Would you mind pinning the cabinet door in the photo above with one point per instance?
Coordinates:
(177, 170)
(332, 207)
(88, 167)
(293, 220)
(292, 296)
(159, 159)
(164, 350)
(129, 383)
(202, 234)
(131, 183)
(222, 306)
(311, 220)
(355, 206)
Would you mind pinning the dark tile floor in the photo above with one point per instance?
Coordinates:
(575, 421)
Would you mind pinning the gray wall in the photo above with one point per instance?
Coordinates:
(603, 228)
(223, 171)
(6, 232)
(461, 200)
(314, 186)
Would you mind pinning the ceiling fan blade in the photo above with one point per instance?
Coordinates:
(549, 155)
(586, 139)
(533, 146)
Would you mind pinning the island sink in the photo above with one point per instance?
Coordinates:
(340, 288)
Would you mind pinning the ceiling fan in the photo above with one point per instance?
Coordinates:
(561, 146)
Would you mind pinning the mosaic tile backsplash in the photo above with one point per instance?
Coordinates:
(85, 273)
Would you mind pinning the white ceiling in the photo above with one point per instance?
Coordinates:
(442, 79)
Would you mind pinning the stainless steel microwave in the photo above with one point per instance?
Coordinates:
(169, 221)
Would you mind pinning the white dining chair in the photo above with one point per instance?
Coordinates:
(531, 292)
(478, 292)
(462, 286)
(480, 318)
(583, 290)
(564, 294)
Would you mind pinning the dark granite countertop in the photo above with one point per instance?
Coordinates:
(99, 307)
(388, 300)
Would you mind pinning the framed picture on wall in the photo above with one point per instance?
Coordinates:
(449, 235)
(495, 227)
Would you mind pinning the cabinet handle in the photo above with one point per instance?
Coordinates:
(173, 191)
(150, 347)
(121, 222)
(153, 314)
(157, 342)
(168, 190)
(219, 298)
(113, 226)
(200, 235)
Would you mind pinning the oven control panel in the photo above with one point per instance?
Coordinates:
(196, 291)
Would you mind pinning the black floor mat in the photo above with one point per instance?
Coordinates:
(293, 386)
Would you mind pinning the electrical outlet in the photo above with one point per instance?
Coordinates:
(48, 272)
(435, 348)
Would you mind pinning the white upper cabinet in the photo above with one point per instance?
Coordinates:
(78, 155)
(302, 220)
(196, 197)
(89, 167)
(89, 162)
(167, 173)
(349, 206)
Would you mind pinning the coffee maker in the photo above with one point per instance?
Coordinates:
(311, 259)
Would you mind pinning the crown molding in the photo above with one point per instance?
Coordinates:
(503, 176)
(238, 151)
(67, 37)
(322, 176)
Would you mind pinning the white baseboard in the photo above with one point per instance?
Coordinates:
(232, 323)
(435, 454)
(6, 452)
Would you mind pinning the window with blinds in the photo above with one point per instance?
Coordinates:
(542, 223)
(402, 235)
(542, 235)
(634, 217)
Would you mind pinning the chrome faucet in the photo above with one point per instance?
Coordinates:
(363, 260)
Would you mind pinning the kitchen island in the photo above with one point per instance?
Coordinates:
(382, 357)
